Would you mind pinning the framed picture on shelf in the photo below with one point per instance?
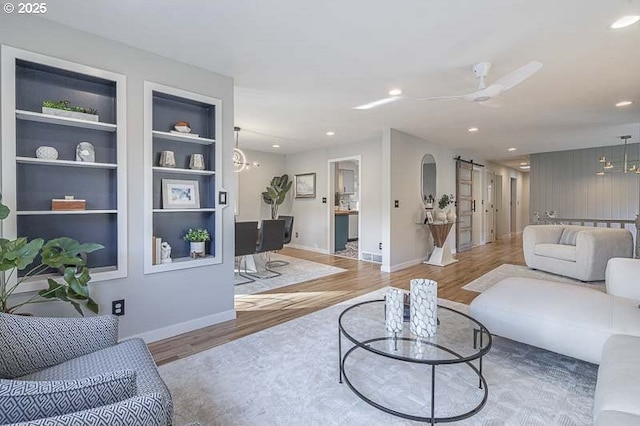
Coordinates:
(180, 194)
(305, 186)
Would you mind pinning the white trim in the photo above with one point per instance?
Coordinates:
(308, 248)
(403, 265)
(184, 327)
(331, 208)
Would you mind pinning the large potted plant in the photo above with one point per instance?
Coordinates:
(60, 253)
(276, 193)
(197, 239)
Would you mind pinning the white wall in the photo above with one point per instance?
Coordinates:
(522, 198)
(312, 216)
(409, 241)
(191, 297)
(252, 182)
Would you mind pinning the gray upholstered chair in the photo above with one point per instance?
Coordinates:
(246, 239)
(73, 371)
(270, 239)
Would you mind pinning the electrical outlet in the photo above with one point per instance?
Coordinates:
(297, 235)
(379, 246)
(117, 307)
(396, 203)
(324, 200)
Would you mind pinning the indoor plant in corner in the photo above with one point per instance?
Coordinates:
(197, 239)
(64, 253)
(276, 193)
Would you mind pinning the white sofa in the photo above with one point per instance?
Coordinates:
(603, 328)
(579, 252)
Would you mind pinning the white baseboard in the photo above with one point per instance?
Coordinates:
(185, 327)
(403, 265)
(308, 248)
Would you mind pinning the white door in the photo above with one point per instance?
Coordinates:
(488, 207)
(499, 217)
(476, 208)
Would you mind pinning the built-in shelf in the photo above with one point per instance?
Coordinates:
(64, 121)
(182, 210)
(181, 263)
(67, 163)
(55, 212)
(182, 137)
(183, 171)
(39, 282)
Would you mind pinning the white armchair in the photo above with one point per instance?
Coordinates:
(579, 252)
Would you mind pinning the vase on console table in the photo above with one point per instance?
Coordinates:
(441, 255)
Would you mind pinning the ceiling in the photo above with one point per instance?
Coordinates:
(300, 66)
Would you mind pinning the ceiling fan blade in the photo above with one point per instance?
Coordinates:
(492, 103)
(518, 76)
(442, 98)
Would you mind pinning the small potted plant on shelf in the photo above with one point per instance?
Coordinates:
(428, 201)
(64, 254)
(197, 239)
(65, 109)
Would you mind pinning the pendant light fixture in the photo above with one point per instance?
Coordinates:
(624, 165)
(240, 162)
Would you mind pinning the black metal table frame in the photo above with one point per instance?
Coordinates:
(482, 383)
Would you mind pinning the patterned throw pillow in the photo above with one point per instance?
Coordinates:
(569, 237)
(23, 400)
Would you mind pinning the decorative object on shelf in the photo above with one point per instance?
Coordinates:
(428, 201)
(85, 152)
(196, 162)
(424, 307)
(20, 254)
(182, 127)
(197, 239)
(156, 250)
(428, 217)
(445, 200)
(276, 193)
(551, 214)
(167, 159)
(165, 252)
(69, 203)
(441, 216)
(536, 217)
(47, 153)
(305, 185)
(394, 310)
(451, 216)
(624, 165)
(240, 161)
(65, 109)
(180, 194)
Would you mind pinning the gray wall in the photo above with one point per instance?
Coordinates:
(566, 182)
(161, 300)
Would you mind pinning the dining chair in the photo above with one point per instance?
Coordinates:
(288, 233)
(270, 239)
(246, 239)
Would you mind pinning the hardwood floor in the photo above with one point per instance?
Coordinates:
(260, 311)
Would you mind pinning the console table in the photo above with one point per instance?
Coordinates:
(441, 255)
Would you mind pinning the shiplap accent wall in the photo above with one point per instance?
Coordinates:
(566, 182)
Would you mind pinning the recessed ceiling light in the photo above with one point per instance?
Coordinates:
(473, 129)
(524, 164)
(625, 21)
(624, 103)
(525, 167)
(511, 149)
(377, 103)
(330, 133)
(275, 145)
(395, 92)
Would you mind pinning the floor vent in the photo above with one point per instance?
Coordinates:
(371, 257)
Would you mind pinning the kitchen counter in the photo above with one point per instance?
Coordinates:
(345, 212)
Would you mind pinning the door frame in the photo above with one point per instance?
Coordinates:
(331, 189)
(513, 205)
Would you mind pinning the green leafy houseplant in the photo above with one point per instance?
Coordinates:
(66, 106)
(20, 254)
(276, 193)
(445, 200)
(197, 235)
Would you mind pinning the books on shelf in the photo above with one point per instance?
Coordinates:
(156, 250)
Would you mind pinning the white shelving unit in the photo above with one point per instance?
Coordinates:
(29, 183)
(163, 107)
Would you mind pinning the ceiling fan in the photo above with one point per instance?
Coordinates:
(486, 93)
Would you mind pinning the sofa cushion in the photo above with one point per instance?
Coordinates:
(616, 418)
(556, 251)
(23, 400)
(618, 384)
(32, 343)
(142, 410)
(127, 355)
(569, 236)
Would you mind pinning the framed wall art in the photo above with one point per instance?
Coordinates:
(180, 194)
(305, 185)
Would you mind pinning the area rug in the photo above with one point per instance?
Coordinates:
(504, 271)
(288, 375)
(297, 271)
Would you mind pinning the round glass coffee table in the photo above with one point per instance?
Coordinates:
(460, 340)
